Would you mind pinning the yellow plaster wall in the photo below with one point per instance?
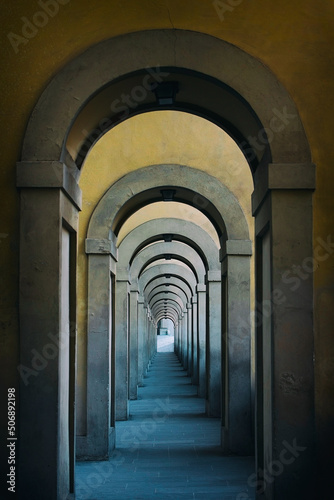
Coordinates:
(294, 39)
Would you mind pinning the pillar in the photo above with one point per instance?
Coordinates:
(177, 338)
(185, 339)
(146, 339)
(201, 325)
(189, 340)
(194, 341)
(176, 349)
(237, 432)
(213, 344)
(180, 328)
(133, 339)
(122, 348)
(282, 204)
(152, 338)
(50, 200)
(141, 335)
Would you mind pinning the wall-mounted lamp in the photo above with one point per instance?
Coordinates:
(168, 238)
(165, 93)
(168, 194)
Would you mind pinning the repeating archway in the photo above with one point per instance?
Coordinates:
(284, 178)
(176, 230)
(218, 203)
(177, 250)
(196, 237)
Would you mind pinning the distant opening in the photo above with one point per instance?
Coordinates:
(165, 336)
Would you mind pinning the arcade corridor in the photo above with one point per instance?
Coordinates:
(168, 449)
(204, 201)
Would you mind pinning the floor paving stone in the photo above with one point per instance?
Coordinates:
(168, 449)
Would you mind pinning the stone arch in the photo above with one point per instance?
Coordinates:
(68, 95)
(173, 297)
(177, 250)
(160, 282)
(179, 230)
(189, 185)
(171, 288)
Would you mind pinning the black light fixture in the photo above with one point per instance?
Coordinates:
(168, 256)
(168, 194)
(168, 238)
(165, 93)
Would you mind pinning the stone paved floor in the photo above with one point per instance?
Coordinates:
(168, 449)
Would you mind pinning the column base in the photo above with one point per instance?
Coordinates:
(88, 449)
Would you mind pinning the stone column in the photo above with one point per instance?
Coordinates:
(100, 395)
(133, 339)
(152, 339)
(185, 339)
(284, 330)
(50, 200)
(176, 338)
(201, 325)
(122, 348)
(237, 433)
(146, 339)
(178, 333)
(194, 341)
(213, 344)
(189, 340)
(148, 346)
(141, 339)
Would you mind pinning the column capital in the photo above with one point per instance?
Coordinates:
(200, 288)
(235, 247)
(49, 175)
(134, 288)
(123, 283)
(213, 276)
(101, 246)
(282, 176)
(123, 275)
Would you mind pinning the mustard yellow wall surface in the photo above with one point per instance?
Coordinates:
(294, 39)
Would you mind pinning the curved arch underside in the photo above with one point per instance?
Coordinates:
(182, 70)
(155, 183)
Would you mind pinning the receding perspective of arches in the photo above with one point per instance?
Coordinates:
(150, 181)
(236, 329)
